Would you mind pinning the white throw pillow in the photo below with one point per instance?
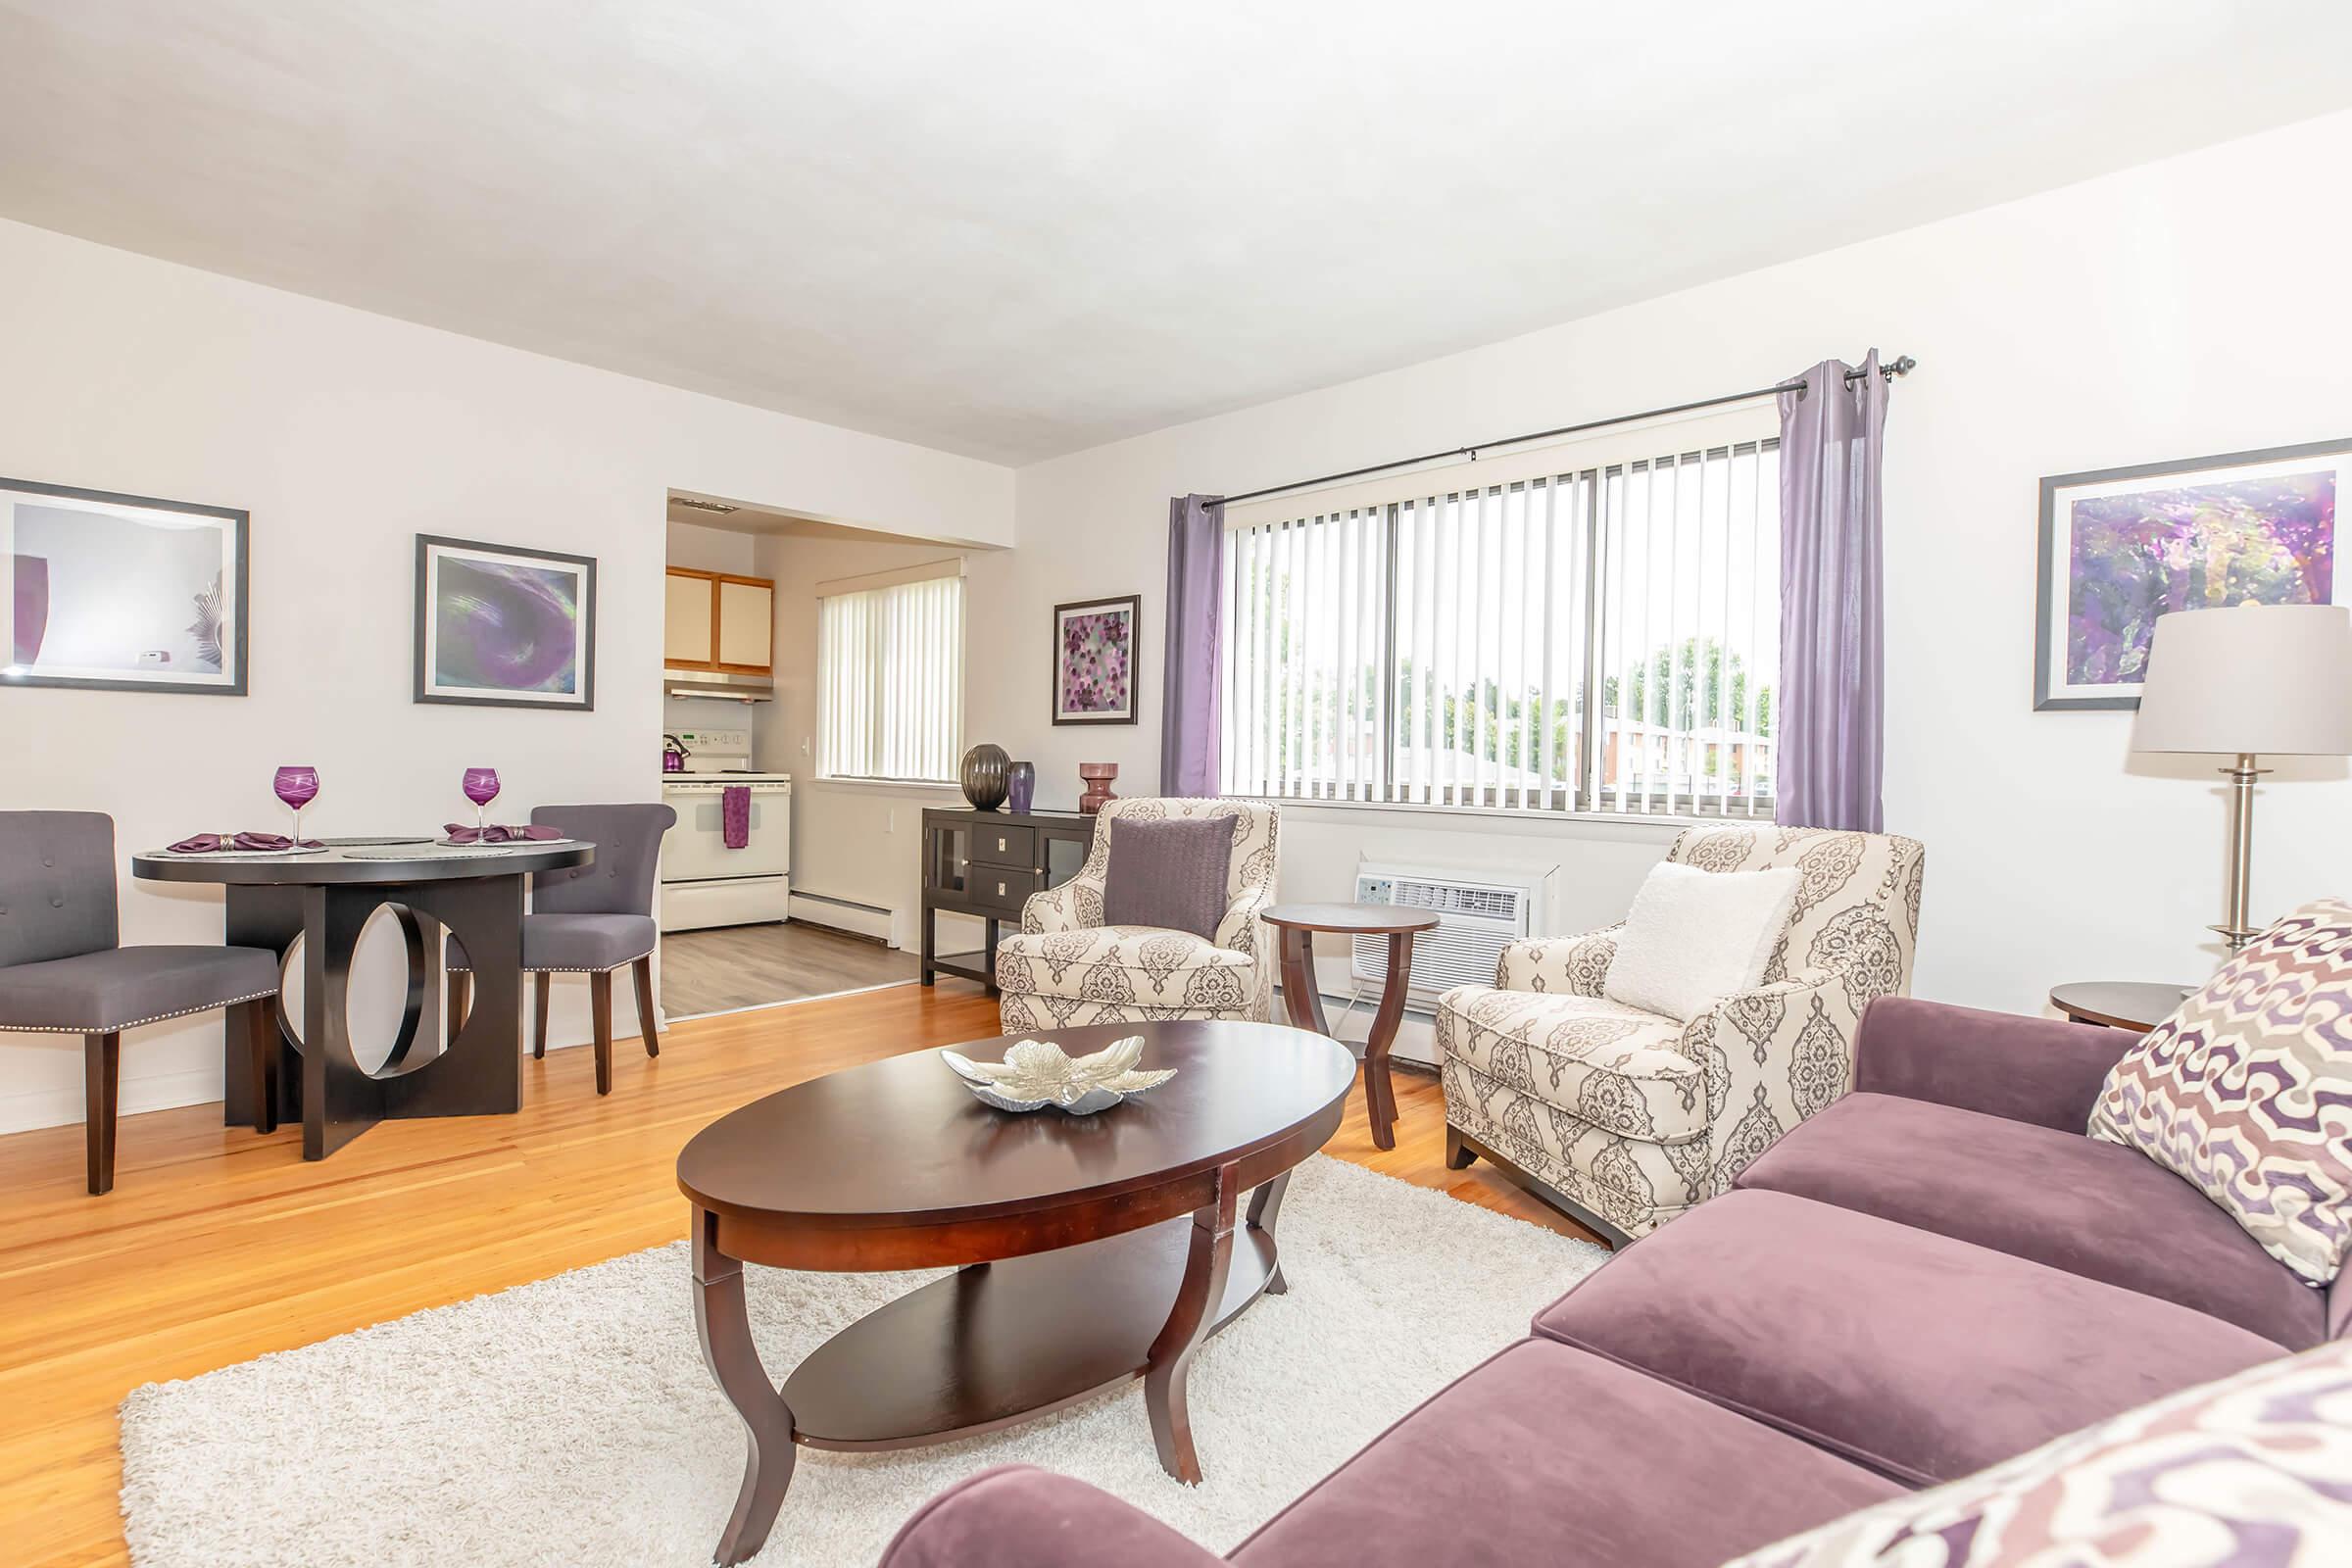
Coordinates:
(1696, 936)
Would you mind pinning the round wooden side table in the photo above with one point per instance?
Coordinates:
(2135, 1004)
(1296, 925)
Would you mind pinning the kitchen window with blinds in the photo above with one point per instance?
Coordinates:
(1593, 628)
(889, 677)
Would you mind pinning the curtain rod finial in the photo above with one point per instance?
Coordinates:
(1903, 365)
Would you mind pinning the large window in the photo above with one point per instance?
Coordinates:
(1589, 628)
(889, 677)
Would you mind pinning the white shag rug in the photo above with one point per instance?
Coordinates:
(571, 1422)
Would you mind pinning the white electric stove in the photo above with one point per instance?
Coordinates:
(705, 883)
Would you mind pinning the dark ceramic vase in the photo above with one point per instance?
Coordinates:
(1020, 787)
(983, 775)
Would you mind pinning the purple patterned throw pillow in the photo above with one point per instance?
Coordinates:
(2246, 1091)
(2248, 1471)
(1171, 874)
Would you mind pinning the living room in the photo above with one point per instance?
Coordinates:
(1177, 344)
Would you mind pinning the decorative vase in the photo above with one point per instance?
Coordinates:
(983, 776)
(1098, 777)
(1020, 786)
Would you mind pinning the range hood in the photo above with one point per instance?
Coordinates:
(720, 684)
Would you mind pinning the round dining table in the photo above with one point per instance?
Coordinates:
(325, 897)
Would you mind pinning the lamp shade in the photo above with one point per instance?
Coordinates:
(2274, 679)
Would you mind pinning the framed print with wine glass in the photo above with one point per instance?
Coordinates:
(127, 593)
(1094, 660)
(2121, 547)
(502, 627)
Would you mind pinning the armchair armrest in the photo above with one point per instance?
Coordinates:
(2037, 1070)
(1015, 1516)
(1564, 966)
(1773, 1057)
(1075, 905)
(1237, 927)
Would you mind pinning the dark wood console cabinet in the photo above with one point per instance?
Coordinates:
(986, 863)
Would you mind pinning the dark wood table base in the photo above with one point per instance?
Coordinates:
(991, 1345)
(1302, 998)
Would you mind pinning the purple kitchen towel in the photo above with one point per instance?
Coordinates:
(735, 816)
(459, 833)
(249, 842)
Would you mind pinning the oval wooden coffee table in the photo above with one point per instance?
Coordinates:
(1089, 1250)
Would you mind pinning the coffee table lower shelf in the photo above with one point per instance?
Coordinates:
(997, 1343)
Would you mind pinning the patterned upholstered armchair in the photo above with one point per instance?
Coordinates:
(1068, 967)
(1629, 1117)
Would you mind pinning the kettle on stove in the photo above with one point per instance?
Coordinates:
(673, 754)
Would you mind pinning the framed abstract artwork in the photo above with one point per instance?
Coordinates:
(2121, 547)
(1094, 660)
(127, 593)
(502, 627)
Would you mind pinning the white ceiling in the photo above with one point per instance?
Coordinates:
(1017, 229)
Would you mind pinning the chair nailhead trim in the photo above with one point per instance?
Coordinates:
(117, 1028)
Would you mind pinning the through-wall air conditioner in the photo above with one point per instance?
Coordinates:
(1478, 911)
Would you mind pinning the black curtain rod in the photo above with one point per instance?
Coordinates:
(1891, 370)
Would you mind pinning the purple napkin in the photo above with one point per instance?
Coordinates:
(458, 833)
(250, 843)
(735, 816)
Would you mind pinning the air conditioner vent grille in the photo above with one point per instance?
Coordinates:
(1478, 913)
(1495, 904)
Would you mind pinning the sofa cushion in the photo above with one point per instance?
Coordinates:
(1921, 1356)
(1548, 1456)
(2061, 1199)
(1612, 1068)
(1126, 966)
(1170, 874)
(2246, 1470)
(2247, 1090)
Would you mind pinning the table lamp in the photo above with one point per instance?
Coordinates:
(2243, 681)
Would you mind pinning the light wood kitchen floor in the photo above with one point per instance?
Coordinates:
(750, 966)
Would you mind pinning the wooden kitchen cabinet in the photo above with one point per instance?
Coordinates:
(716, 620)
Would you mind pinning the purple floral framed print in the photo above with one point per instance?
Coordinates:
(1094, 660)
(122, 593)
(2121, 547)
(501, 626)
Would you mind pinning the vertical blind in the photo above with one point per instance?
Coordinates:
(1441, 646)
(890, 681)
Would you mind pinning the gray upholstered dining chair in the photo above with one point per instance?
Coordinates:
(590, 919)
(64, 970)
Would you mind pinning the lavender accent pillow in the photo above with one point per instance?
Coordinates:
(1170, 874)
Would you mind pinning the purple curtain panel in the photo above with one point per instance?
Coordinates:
(1191, 710)
(1832, 740)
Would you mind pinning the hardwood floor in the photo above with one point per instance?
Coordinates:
(748, 966)
(219, 1245)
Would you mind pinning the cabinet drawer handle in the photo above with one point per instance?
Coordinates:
(999, 890)
(1000, 844)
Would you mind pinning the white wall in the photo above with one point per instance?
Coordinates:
(854, 842)
(346, 434)
(2187, 308)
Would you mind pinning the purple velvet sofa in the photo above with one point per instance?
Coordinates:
(1936, 1273)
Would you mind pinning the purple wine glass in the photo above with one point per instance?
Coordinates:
(297, 787)
(481, 788)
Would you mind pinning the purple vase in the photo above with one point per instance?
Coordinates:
(1020, 783)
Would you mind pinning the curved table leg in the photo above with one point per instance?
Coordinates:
(724, 1326)
(1207, 1263)
(1302, 997)
(1264, 1206)
(1380, 1091)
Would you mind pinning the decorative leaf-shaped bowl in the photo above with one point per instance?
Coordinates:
(1036, 1073)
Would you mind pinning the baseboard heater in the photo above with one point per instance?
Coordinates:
(842, 914)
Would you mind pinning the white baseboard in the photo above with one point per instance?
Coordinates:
(840, 914)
